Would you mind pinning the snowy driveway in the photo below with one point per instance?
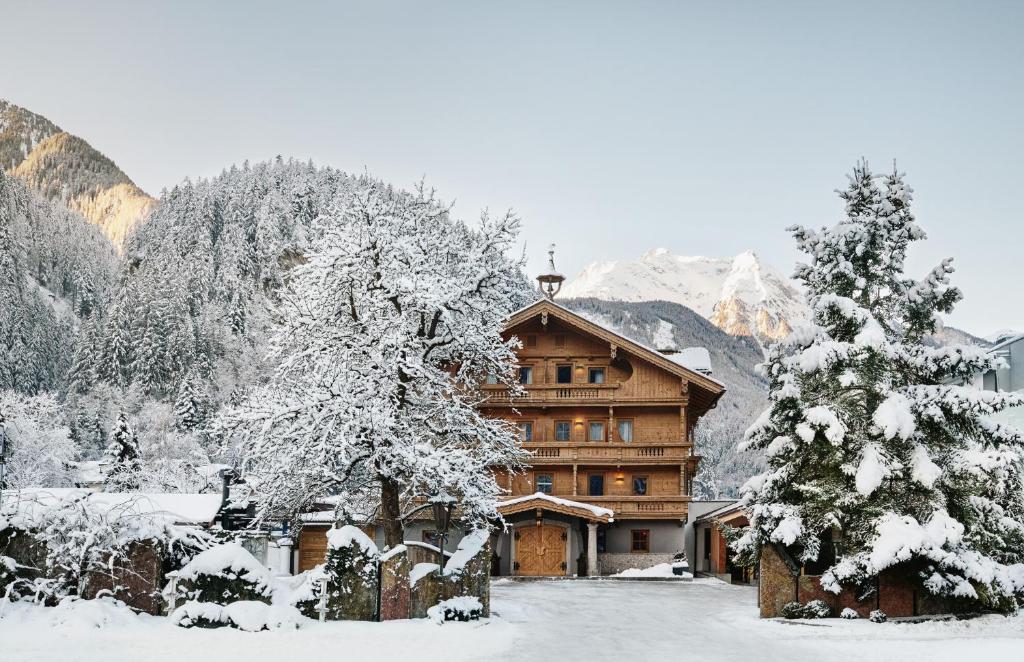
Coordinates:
(566, 621)
(710, 620)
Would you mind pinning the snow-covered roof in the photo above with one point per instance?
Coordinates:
(178, 508)
(1006, 342)
(733, 506)
(694, 358)
(598, 511)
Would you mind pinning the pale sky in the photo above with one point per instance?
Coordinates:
(611, 128)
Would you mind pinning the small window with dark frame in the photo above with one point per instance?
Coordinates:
(563, 374)
(531, 340)
(563, 430)
(559, 340)
(640, 540)
(525, 375)
(640, 485)
(595, 485)
(595, 375)
(526, 431)
(544, 483)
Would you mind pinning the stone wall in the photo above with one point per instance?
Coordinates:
(610, 564)
(895, 594)
(135, 580)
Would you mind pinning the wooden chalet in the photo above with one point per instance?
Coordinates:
(610, 425)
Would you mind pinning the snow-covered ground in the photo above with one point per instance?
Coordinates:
(694, 621)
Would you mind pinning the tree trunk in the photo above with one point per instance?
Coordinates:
(394, 533)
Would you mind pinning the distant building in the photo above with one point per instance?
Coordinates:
(1010, 348)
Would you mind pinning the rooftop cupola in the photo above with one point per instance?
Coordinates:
(550, 281)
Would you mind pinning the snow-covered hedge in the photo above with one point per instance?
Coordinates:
(224, 574)
(352, 575)
(462, 608)
(248, 615)
(878, 616)
(69, 541)
(813, 609)
(849, 614)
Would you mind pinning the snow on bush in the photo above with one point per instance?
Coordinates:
(848, 614)
(877, 616)
(352, 574)
(305, 596)
(463, 608)
(79, 535)
(817, 609)
(792, 610)
(247, 615)
(224, 574)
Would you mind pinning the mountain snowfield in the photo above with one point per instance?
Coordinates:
(741, 295)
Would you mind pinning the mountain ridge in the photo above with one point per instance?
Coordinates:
(62, 166)
(740, 295)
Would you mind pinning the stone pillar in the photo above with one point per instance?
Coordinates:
(395, 592)
(592, 549)
(284, 555)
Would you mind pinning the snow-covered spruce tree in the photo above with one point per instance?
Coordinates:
(123, 453)
(870, 438)
(388, 330)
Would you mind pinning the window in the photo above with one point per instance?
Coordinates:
(492, 379)
(563, 374)
(563, 431)
(596, 376)
(640, 485)
(626, 429)
(596, 431)
(526, 431)
(525, 375)
(544, 483)
(640, 540)
(560, 341)
(595, 485)
(602, 544)
(531, 340)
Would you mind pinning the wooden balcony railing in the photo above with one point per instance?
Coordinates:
(555, 452)
(555, 392)
(653, 507)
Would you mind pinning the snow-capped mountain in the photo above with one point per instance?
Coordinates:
(741, 295)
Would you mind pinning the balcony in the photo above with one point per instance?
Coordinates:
(562, 452)
(647, 507)
(553, 394)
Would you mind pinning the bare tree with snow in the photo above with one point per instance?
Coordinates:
(388, 329)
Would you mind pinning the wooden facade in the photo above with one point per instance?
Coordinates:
(608, 421)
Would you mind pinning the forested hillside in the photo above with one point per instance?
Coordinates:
(55, 270)
(64, 167)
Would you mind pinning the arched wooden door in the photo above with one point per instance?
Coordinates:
(540, 551)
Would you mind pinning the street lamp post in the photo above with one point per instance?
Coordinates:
(442, 522)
